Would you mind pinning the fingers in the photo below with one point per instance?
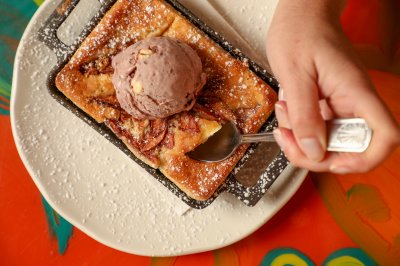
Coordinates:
(289, 146)
(281, 114)
(325, 109)
(286, 140)
(386, 138)
(304, 114)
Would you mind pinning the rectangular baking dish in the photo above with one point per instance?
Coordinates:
(248, 194)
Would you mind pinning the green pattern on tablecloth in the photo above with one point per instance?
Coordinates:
(14, 16)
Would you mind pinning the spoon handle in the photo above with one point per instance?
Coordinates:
(344, 135)
(258, 137)
(348, 135)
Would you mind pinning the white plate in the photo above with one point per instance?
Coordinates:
(97, 188)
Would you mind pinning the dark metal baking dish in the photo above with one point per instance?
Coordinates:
(249, 195)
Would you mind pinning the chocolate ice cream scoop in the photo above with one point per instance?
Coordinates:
(157, 77)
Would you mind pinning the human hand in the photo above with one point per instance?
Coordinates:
(321, 78)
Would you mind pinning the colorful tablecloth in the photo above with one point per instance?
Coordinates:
(331, 220)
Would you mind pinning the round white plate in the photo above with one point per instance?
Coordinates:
(97, 188)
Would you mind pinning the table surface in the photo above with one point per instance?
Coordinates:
(331, 219)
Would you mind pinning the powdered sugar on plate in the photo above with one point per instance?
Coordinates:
(98, 189)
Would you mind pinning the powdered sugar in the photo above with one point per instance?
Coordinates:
(95, 186)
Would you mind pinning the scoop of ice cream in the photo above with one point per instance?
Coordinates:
(157, 77)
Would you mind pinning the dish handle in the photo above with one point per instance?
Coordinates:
(48, 32)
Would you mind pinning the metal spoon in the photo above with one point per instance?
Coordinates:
(344, 135)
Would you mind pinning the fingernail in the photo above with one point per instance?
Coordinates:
(280, 95)
(279, 111)
(279, 139)
(339, 169)
(312, 148)
(281, 115)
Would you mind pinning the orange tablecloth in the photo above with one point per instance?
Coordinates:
(331, 220)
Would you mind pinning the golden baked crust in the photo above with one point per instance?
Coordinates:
(232, 92)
